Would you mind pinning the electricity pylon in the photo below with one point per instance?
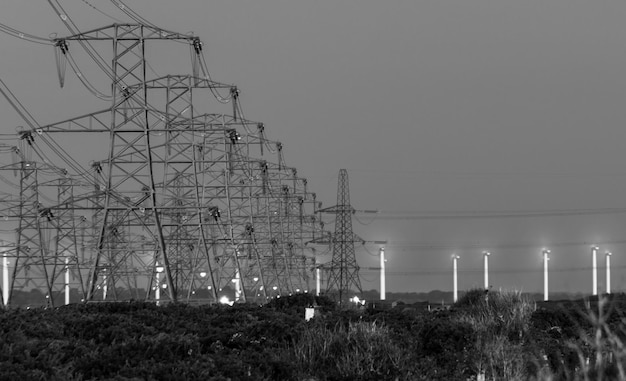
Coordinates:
(343, 272)
(183, 200)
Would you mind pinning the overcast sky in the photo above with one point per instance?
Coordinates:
(434, 106)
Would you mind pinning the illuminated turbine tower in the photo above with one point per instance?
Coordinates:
(608, 272)
(455, 285)
(382, 274)
(545, 273)
(486, 255)
(594, 270)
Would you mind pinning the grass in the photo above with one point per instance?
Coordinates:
(501, 321)
(494, 336)
(358, 350)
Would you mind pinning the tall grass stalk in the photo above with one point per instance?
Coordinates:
(501, 321)
(360, 350)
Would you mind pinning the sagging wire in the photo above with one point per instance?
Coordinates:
(67, 158)
(132, 14)
(89, 49)
(365, 223)
(369, 252)
(17, 105)
(27, 136)
(237, 108)
(281, 159)
(197, 49)
(195, 69)
(25, 36)
(92, 89)
(102, 12)
(434, 215)
(9, 182)
(60, 57)
(263, 138)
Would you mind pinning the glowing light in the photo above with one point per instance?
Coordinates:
(225, 300)
(203, 274)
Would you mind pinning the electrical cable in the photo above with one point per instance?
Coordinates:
(207, 75)
(438, 272)
(132, 14)
(364, 223)
(91, 51)
(408, 245)
(101, 12)
(459, 215)
(83, 79)
(25, 36)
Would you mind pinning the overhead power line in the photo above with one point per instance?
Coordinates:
(458, 215)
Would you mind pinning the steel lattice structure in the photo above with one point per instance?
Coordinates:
(185, 201)
(343, 272)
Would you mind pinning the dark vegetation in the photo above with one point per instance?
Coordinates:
(498, 336)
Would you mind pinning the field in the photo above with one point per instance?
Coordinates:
(495, 336)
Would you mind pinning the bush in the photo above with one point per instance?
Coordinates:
(359, 351)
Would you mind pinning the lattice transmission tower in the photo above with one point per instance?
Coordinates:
(185, 201)
(343, 271)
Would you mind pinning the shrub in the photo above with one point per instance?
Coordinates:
(358, 351)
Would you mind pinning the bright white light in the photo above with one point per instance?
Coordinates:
(164, 286)
(208, 288)
(225, 300)
(275, 288)
(203, 274)
(255, 279)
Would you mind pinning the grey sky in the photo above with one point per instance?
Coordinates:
(468, 105)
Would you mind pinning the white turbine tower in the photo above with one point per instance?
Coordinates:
(455, 285)
(318, 280)
(594, 270)
(5, 279)
(545, 273)
(486, 255)
(67, 280)
(382, 274)
(608, 272)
